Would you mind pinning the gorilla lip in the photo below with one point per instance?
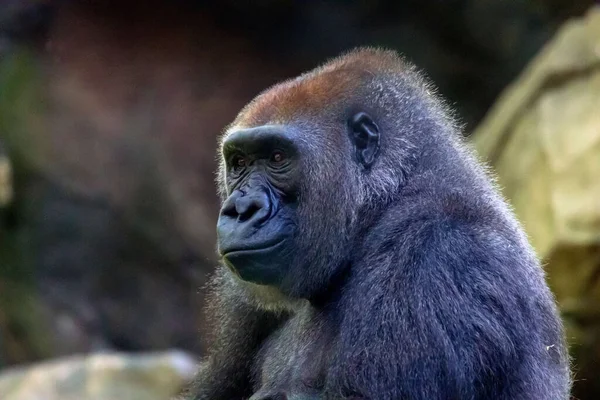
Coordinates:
(242, 250)
(254, 264)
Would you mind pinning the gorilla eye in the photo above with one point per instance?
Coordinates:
(238, 163)
(277, 157)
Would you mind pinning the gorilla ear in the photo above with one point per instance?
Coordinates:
(364, 134)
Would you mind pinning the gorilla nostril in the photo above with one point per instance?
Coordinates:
(228, 208)
(248, 212)
(229, 211)
(254, 207)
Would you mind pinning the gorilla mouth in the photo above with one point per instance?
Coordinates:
(257, 248)
(260, 263)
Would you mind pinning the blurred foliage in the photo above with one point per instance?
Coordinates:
(22, 338)
(19, 79)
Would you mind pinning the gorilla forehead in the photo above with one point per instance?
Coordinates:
(311, 93)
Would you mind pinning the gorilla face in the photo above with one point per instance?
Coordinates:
(265, 224)
(257, 222)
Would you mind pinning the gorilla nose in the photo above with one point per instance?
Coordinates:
(252, 208)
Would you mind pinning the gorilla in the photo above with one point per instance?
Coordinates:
(366, 253)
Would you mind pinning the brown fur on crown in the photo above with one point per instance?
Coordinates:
(313, 91)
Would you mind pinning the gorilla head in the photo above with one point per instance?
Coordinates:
(303, 175)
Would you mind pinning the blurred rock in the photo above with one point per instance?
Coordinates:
(6, 189)
(543, 139)
(101, 377)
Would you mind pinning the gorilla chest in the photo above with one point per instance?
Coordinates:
(292, 363)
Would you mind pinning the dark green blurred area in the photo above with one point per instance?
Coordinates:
(21, 333)
(109, 114)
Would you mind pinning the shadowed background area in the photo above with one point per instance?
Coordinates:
(109, 114)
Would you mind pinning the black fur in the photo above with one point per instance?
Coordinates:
(409, 279)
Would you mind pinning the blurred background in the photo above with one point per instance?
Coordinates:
(109, 114)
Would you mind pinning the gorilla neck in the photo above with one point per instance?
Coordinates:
(272, 299)
(444, 165)
(331, 292)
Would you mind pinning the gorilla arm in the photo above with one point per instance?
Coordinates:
(447, 312)
(240, 327)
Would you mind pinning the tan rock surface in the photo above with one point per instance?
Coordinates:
(156, 376)
(543, 139)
